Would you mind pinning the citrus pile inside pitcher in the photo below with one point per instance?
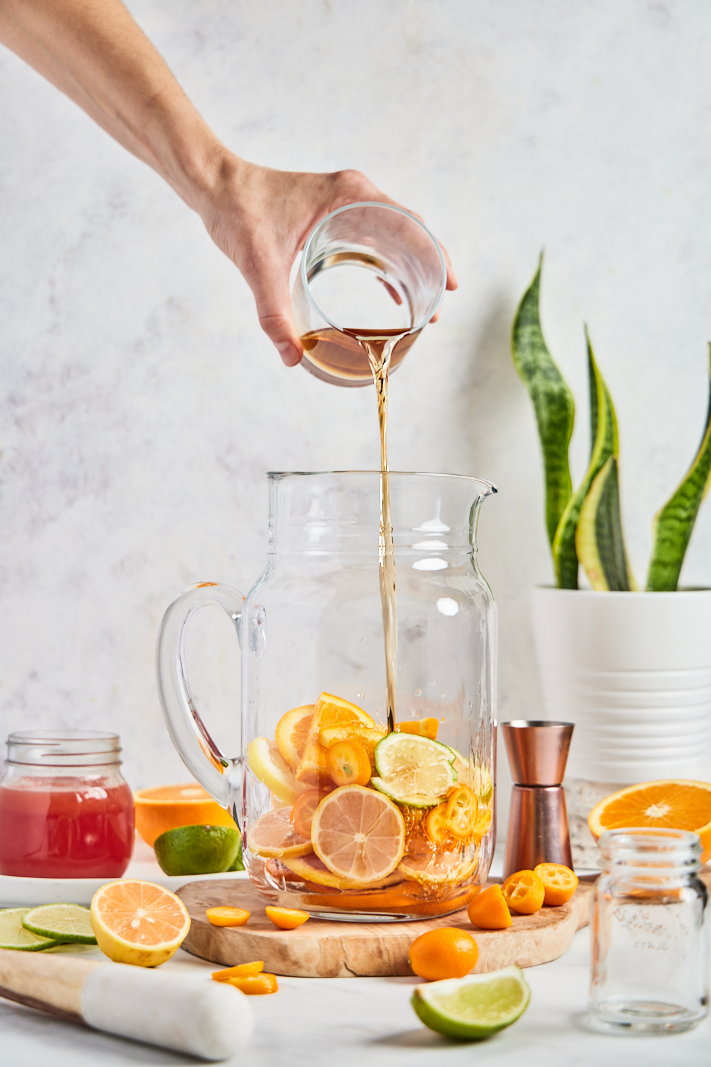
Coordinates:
(381, 819)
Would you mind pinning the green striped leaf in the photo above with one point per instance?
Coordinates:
(599, 541)
(552, 400)
(674, 522)
(604, 443)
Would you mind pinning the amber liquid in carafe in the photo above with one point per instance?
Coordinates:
(350, 354)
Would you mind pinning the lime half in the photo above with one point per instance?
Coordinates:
(70, 923)
(14, 935)
(473, 1007)
(414, 770)
(198, 850)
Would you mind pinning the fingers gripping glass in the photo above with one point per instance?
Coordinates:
(389, 281)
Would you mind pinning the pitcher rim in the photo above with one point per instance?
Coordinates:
(490, 487)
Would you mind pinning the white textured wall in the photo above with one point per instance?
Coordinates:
(141, 405)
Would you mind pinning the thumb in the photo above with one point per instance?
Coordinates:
(270, 285)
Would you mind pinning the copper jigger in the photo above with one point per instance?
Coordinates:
(538, 819)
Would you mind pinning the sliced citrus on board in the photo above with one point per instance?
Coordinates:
(292, 733)
(14, 935)
(489, 910)
(414, 770)
(274, 836)
(226, 916)
(358, 833)
(312, 869)
(524, 892)
(68, 923)
(329, 711)
(138, 922)
(287, 918)
(169, 806)
(672, 804)
(267, 763)
(559, 882)
(473, 1007)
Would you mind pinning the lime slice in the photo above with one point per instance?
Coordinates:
(198, 850)
(70, 923)
(414, 770)
(14, 935)
(475, 1006)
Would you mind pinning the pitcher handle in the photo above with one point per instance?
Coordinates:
(218, 774)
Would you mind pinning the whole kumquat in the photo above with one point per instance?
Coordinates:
(524, 892)
(227, 916)
(255, 985)
(446, 953)
(240, 970)
(287, 918)
(489, 910)
(559, 882)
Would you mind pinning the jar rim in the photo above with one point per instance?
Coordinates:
(63, 747)
(624, 844)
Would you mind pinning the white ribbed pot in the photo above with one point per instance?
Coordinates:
(633, 672)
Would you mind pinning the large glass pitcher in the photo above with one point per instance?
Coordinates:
(338, 816)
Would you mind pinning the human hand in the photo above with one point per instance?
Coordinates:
(261, 219)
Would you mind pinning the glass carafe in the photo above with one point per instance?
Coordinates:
(339, 817)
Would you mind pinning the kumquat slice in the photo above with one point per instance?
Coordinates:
(255, 985)
(240, 970)
(524, 892)
(227, 916)
(559, 882)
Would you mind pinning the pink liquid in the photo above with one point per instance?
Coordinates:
(66, 828)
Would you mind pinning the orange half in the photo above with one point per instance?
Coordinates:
(171, 806)
(672, 804)
(138, 922)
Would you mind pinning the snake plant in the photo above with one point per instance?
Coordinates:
(584, 526)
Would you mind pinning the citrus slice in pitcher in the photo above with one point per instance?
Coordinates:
(312, 869)
(329, 710)
(275, 837)
(359, 834)
(267, 763)
(292, 733)
(414, 770)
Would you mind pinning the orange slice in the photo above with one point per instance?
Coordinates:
(292, 733)
(274, 836)
(312, 869)
(368, 736)
(171, 806)
(328, 711)
(675, 804)
(359, 834)
(423, 727)
(287, 918)
(138, 922)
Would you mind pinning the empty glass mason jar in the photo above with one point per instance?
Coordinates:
(650, 968)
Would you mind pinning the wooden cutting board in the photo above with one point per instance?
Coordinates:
(327, 949)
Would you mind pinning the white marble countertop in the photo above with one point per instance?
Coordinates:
(319, 1022)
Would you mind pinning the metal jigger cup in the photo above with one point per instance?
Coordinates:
(538, 818)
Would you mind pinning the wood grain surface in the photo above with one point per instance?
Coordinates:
(328, 949)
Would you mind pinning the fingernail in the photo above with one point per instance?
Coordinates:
(289, 353)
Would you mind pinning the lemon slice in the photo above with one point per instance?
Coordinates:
(70, 923)
(312, 869)
(138, 922)
(359, 834)
(267, 763)
(473, 1007)
(274, 836)
(414, 770)
(14, 935)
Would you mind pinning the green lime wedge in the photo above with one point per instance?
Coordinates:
(14, 935)
(70, 923)
(198, 850)
(414, 770)
(473, 1007)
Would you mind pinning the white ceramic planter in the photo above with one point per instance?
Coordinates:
(633, 672)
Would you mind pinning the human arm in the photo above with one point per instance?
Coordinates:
(95, 53)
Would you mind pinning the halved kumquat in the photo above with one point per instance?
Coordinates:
(227, 916)
(559, 882)
(489, 910)
(287, 918)
(524, 892)
(255, 985)
(240, 970)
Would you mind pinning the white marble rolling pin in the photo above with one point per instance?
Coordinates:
(185, 1012)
